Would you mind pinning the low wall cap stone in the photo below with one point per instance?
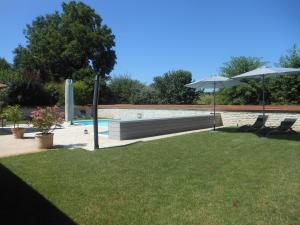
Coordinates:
(251, 108)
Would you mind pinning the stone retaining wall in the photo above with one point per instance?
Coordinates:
(243, 118)
(134, 114)
(229, 118)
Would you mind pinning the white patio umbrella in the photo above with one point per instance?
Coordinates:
(213, 83)
(69, 101)
(264, 72)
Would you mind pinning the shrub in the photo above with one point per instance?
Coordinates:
(82, 93)
(171, 87)
(8, 75)
(46, 119)
(205, 99)
(30, 93)
(14, 114)
(146, 95)
(57, 91)
(124, 89)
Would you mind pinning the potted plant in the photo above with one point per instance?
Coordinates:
(46, 121)
(14, 114)
(3, 119)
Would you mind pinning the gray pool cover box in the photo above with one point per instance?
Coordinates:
(132, 129)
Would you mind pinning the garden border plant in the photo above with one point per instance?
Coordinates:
(46, 120)
(14, 114)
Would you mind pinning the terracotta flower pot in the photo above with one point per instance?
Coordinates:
(44, 140)
(18, 132)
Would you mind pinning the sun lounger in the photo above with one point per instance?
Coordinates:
(258, 124)
(284, 127)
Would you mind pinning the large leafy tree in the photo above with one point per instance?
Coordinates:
(125, 90)
(147, 95)
(67, 45)
(239, 65)
(291, 59)
(171, 88)
(245, 94)
(4, 65)
(286, 89)
(6, 71)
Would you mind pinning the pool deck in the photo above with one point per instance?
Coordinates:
(69, 136)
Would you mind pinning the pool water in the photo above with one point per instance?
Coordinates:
(106, 133)
(101, 122)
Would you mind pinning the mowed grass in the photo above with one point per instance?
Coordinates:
(200, 178)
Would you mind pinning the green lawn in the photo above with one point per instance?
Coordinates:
(201, 178)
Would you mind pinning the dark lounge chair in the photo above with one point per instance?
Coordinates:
(258, 124)
(284, 127)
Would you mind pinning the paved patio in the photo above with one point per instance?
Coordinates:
(66, 137)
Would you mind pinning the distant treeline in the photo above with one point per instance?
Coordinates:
(76, 44)
(25, 89)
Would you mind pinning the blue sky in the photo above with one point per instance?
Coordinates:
(153, 37)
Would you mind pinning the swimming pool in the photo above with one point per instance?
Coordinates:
(101, 122)
(105, 133)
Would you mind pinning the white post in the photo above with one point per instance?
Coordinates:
(69, 101)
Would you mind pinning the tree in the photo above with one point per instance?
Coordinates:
(245, 94)
(286, 89)
(147, 95)
(60, 45)
(29, 93)
(239, 65)
(125, 90)
(24, 60)
(83, 91)
(291, 59)
(7, 76)
(4, 65)
(171, 87)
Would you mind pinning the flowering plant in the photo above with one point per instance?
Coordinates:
(46, 119)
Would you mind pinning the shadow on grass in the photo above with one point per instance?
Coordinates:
(21, 204)
(229, 130)
(78, 145)
(293, 136)
(288, 136)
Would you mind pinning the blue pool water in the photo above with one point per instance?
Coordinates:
(104, 133)
(101, 122)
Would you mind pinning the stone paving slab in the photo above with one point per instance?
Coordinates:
(9, 146)
(68, 137)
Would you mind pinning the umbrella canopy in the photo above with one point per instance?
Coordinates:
(213, 83)
(267, 72)
(2, 86)
(264, 72)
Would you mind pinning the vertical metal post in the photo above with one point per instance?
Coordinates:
(95, 111)
(263, 97)
(214, 105)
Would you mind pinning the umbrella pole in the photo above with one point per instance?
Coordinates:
(95, 111)
(263, 98)
(214, 105)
